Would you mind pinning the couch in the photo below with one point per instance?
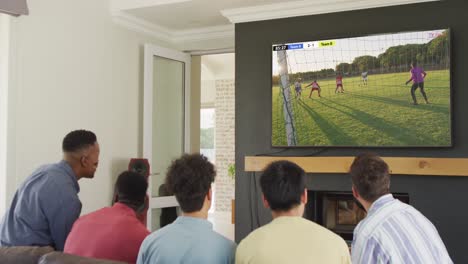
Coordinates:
(44, 255)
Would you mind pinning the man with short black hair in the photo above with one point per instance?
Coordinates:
(115, 232)
(190, 239)
(46, 204)
(289, 238)
(392, 232)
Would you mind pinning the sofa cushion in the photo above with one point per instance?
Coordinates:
(23, 255)
(62, 258)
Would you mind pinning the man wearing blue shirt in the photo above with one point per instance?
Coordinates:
(190, 239)
(46, 204)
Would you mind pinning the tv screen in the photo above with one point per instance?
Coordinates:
(387, 90)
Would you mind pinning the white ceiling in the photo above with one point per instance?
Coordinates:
(215, 67)
(191, 24)
(218, 66)
(194, 14)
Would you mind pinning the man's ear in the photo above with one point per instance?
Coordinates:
(304, 196)
(83, 161)
(355, 192)
(265, 202)
(209, 195)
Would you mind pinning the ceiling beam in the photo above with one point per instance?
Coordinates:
(186, 39)
(122, 5)
(306, 7)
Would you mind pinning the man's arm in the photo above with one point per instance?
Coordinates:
(411, 78)
(369, 251)
(242, 255)
(61, 212)
(141, 253)
(232, 258)
(345, 254)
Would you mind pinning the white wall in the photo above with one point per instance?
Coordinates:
(74, 68)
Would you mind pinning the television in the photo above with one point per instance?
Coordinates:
(385, 90)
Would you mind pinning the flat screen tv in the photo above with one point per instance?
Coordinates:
(387, 90)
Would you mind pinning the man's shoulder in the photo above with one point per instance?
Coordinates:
(44, 181)
(169, 233)
(256, 234)
(320, 231)
(41, 172)
(225, 243)
(56, 169)
(138, 229)
(98, 214)
(289, 233)
(50, 173)
(174, 236)
(214, 242)
(173, 230)
(373, 225)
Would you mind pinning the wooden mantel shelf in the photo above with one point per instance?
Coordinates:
(398, 165)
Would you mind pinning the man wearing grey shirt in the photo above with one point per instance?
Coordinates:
(46, 204)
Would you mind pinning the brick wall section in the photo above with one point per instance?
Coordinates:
(224, 143)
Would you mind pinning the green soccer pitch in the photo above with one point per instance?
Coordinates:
(380, 113)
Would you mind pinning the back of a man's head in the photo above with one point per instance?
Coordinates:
(130, 189)
(189, 178)
(78, 140)
(370, 176)
(283, 183)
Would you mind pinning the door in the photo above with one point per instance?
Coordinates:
(165, 124)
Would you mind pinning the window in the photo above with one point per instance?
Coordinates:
(207, 142)
(207, 133)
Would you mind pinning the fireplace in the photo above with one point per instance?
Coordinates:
(338, 211)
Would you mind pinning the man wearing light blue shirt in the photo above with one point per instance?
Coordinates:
(46, 204)
(190, 239)
(392, 232)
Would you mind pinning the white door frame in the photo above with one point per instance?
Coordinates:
(5, 48)
(149, 52)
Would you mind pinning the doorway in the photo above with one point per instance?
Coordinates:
(217, 127)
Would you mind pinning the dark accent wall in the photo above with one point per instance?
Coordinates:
(442, 199)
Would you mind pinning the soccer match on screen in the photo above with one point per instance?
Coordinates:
(387, 90)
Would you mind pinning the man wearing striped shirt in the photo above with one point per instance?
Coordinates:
(392, 232)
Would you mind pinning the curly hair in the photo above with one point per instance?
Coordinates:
(78, 140)
(283, 183)
(370, 176)
(189, 178)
